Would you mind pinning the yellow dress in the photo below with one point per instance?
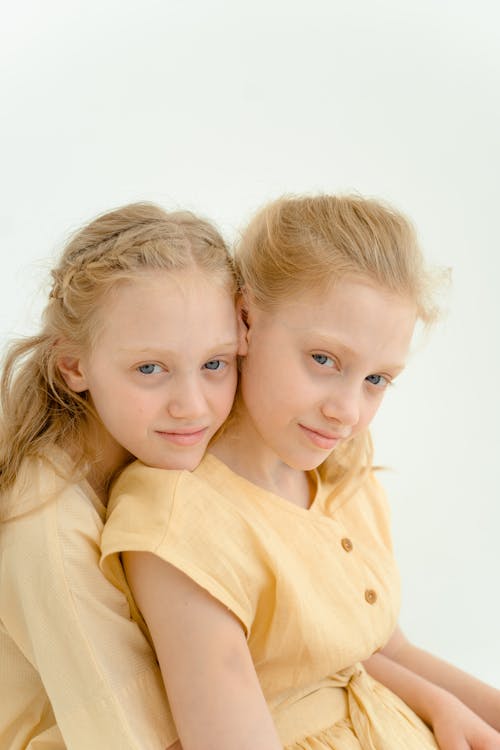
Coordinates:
(75, 671)
(316, 591)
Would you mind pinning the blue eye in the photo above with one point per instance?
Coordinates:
(378, 380)
(149, 369)
(323, 359)
(214, 365)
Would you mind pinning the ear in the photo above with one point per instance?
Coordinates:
(243, 325)
(71, 369)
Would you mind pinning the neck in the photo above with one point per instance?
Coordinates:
(242, 449)
(108, 458)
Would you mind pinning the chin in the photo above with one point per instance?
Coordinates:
(175, 463)
(313, 465)
(302, 464)
(314, 462)
(188, 463)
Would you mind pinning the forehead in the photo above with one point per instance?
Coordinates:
(360, 316)
(167, 302)
(163, 286)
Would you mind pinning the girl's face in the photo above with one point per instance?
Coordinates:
(162, 374)
(316, 370)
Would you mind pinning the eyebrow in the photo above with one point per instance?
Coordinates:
(222, 346)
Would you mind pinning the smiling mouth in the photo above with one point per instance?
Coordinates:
(320, 439)
(186, 438)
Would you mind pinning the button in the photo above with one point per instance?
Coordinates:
(346, 544)
(370, 596)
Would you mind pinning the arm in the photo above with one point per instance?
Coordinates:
(74, 627)
(455, 726)
(483, 699)
(213, 689)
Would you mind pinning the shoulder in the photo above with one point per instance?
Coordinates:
(364, 489)
(139, 506)
(144, 483)
(142, 491)
(146, 502)
(210, 509)
(375, 496)
(36, 482)
(364, 506)
(139, 512)
(45, 484)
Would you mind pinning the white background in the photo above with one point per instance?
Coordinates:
(218, 106)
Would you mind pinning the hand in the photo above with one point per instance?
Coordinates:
(456, 727)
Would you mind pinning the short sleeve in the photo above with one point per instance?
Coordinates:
(186, 522)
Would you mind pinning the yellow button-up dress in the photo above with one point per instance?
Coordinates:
(316, 591)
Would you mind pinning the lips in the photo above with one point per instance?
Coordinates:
(320, 438)
(184, 437)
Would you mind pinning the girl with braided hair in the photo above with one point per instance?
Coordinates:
(136, 358)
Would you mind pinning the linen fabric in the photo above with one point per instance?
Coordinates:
(76, 670)
(316, 591)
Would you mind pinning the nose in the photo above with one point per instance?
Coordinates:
(186, 399)
(343, 404)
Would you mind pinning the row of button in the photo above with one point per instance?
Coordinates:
(370, 594)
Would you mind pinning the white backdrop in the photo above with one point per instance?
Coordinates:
(218, 106)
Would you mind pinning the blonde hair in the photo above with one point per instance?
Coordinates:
(295, 245)
(38, 409)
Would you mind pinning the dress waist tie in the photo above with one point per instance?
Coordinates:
(381, 720)
(351, 702)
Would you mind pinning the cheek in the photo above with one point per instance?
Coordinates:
(226, 396)
(127, 408)
(372, 405)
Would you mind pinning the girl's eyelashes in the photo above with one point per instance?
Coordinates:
(377, 380)
(324, 360)
(150, 369)
(215, 365)
(380, 381)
